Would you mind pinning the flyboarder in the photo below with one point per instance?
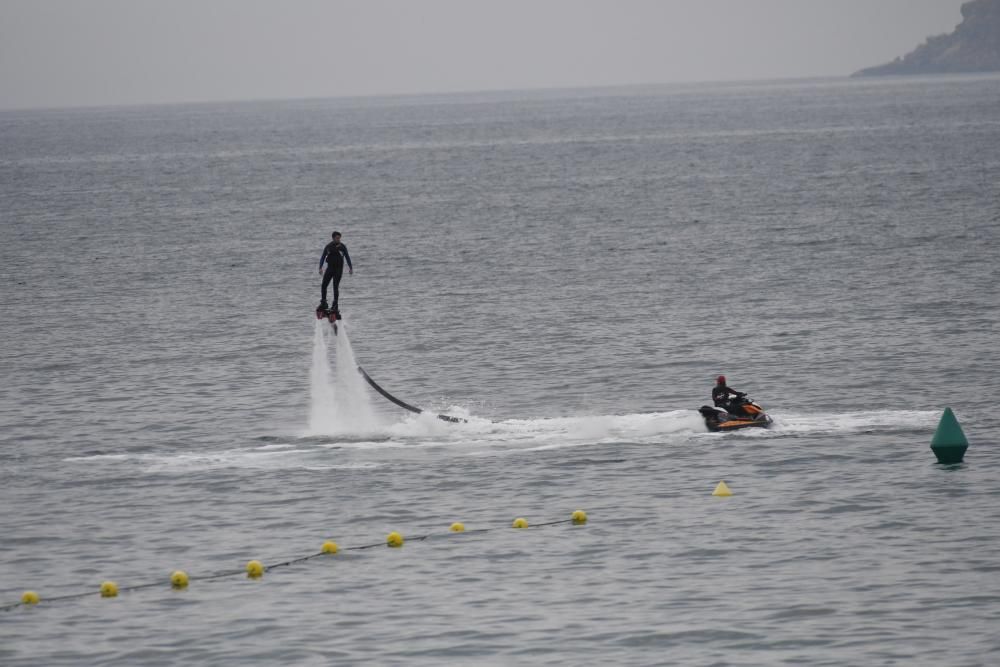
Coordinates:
(334, 255)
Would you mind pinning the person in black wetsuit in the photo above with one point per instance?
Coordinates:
(334, 254)
(721, 394)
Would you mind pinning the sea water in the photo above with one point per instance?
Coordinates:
(567, 271)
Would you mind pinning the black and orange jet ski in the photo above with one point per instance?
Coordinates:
(741, 412)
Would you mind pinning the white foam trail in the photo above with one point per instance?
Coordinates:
(347, 414)
(853, 421)
(426, 430)
(339, 402)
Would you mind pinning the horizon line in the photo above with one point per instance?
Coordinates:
(499, 91)
(437, 93)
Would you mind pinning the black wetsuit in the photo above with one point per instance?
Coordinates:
(720, 396)
(334, 254)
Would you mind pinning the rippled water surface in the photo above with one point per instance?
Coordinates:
(567, 271)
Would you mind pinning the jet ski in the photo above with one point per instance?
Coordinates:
(741, 412)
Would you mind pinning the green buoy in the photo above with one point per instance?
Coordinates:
(949, 442)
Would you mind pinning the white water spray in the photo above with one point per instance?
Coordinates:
(339, 400)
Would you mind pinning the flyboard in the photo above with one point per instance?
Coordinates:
(333, 315)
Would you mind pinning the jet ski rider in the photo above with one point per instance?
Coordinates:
(721, 394)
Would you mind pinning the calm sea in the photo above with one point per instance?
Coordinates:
(569, 271)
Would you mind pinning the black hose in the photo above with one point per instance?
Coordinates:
(403, 404)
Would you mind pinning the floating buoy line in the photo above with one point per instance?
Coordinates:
(255, 569)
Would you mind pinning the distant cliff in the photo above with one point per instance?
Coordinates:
(974, 46)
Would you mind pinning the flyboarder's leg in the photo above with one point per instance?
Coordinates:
(338, 272)
(327, 277)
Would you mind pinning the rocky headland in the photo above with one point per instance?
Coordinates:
(974, 46)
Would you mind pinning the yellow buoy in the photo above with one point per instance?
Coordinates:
(30, 597)
(394, 539)
(722, 490)
(458, 527)
(109, 589)
(255, 569)
(179, 579)
(520, 522)
(329, 547)
(579, 517)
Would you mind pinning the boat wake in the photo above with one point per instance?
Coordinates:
(342, 417)
(387, 443)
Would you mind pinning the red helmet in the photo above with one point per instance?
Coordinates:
(721, 379)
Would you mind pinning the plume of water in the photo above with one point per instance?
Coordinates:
(321, 390)
(353, 404)
(339, 401)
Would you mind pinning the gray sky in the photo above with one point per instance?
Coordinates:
(97, 52)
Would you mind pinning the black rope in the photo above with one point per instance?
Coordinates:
(218, 575)
(550, 523)
(363, 546)
(293, 561)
